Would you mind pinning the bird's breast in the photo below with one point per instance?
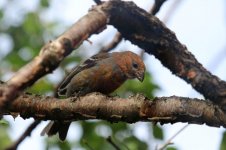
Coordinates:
(109, 78)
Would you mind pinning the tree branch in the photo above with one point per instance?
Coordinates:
(114, 109)
(156, 7)
(26, 133)
(109, 140)
(150, 34)
(98, 2)
(118, 37)
(110, 46)
(145, 30)
(51, 55)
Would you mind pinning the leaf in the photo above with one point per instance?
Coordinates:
(4, 122)
(5, 140)
(157, 132)
(44, 3)
(54, 142)
(134, 143)
(14, 59)
(147, 87)
(41, 87)
(90, 138)
(171, 148)
(116, 127)
(223, 142)
(1, 14)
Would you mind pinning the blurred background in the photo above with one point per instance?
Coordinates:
(26, 25)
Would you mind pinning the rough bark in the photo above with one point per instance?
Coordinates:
(150, 34)
(143, 30)
(114, 109)
(51, 55)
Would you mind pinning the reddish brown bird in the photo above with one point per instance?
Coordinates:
(103, 73)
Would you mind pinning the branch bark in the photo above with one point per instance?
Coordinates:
(51, 55)
(150, 34)
(118, 37)
(114, 109)
(156, 7)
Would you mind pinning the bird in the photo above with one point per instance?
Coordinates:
(104, 73)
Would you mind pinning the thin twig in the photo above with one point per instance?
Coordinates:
(24, 135)
(171, 10)
(116, 40)
(156, 7)
(87, 144)
(98, 2)
(169, 141)
(113, 143)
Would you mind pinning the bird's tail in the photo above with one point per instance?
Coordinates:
(54, 127)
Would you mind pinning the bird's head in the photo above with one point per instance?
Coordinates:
(133, 65)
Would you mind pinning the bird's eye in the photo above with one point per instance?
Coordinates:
(135, 65)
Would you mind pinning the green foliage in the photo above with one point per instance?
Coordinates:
(133, 143)
(1, 14)
(120, 132)
(223, 142)
(157, 132)
(41, 87)
(28, 36)
(4, 137)
(90, 137)
(147, 87)
(44, 3)
(4, 123)
(27, 39)
(54, 142)
(171, 148)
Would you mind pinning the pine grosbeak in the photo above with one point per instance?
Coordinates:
(104, 73)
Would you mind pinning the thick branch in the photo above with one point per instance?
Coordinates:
(144, 30)
(51, 55)
(150, 34)
(114, 109)
(118, 37)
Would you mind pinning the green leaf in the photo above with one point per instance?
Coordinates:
(41, 87)
(4, 122)
(134, 143)
(116, 127)
(54, 142)
(1, 14)
(90, 138)
(15, 60)
(157, 132)
(171, 148)
(71, 59)
(5, 140)
(44, 3)
(223, 142)
(134, 86)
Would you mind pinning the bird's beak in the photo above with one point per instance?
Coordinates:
(140, 76)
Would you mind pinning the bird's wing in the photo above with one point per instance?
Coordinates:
(92, 61)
